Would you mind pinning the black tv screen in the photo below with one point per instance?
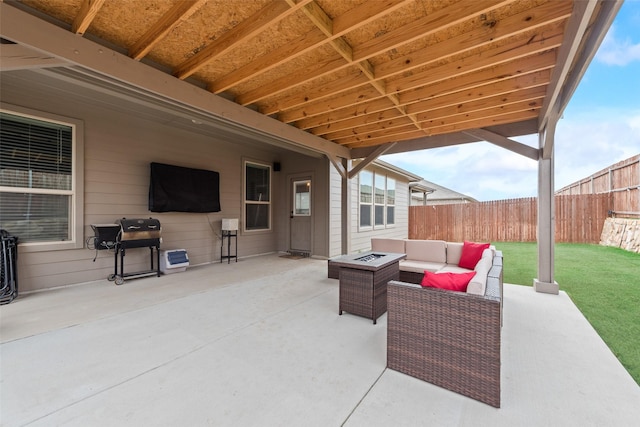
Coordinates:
(179, 189)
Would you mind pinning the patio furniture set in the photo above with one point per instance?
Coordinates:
(445, 337)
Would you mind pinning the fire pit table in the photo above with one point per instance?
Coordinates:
(363, 282)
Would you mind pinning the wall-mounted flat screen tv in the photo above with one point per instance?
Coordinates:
(180, 189)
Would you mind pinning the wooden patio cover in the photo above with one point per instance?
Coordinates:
(368, 77)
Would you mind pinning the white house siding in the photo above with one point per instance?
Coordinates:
(335, 212)
(361, 239)
(118, 148)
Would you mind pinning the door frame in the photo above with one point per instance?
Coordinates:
(291, 178)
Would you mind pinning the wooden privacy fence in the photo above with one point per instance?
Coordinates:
(621, 179)
(579, 219)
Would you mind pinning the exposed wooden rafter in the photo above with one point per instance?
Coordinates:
(360, 74)
(258, 22)
(180, 12)
(88, 11)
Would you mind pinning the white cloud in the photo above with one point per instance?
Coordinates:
(593, 141)
(480, 170)
(615, 51)
(584, 144)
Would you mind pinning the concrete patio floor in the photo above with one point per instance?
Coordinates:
(260, 343)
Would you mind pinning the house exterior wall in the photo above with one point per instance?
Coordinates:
(295, 166)
(118, 149)
(361, 239)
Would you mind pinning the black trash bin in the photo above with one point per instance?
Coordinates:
(8, 267)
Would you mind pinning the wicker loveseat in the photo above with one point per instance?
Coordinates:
(450, 339)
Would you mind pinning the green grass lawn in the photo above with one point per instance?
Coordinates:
(603, 282)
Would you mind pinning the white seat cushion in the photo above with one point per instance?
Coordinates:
(454, 251)
(426, 250)
(420, 266)
(454, 269)
(395, 246)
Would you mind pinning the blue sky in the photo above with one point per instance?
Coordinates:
(599, 127)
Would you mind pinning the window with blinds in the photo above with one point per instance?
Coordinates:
(36, 171)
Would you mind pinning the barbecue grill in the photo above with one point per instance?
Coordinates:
(137, 233)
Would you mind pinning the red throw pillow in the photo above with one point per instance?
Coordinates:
(451, 281)
(471, 254)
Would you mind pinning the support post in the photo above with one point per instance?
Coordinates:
(345, 209)
(546, 223)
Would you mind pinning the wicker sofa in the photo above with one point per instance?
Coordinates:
(436, 256)
(450, 339)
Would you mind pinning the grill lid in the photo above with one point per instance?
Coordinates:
(139, 229)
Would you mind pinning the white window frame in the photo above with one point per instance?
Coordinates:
(360, 203)
(385, 205)
(246, 202)
(306, 182)
(379, 179)
(76, 213)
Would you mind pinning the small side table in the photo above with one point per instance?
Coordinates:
(363, 282)
(228, 235)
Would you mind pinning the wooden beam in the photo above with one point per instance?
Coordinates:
(365, 13)
(536, 82)
(337, 163)
(23, 28)
(319, 17)
(382, 135)
(576, 27)
(410, 133)
(379, 151)
(352, 20)
(525, 127)
(250, 27)
(399, 121)
(479, 114)
(504, 142)
(348, 99)
(363, 120)
(420, 143)
(519, 48)
(531, 96)
(549, 20)
(595, 33)
(19, 57)
(507, 118)
(525, 56)
(351, 99)
(480, 77)
(351, 79)
(381, 108)
(284, 83)
(88, 11)
(439, 20)
(548, 137)
(267, 62)
(296, 48)
(180, 12)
